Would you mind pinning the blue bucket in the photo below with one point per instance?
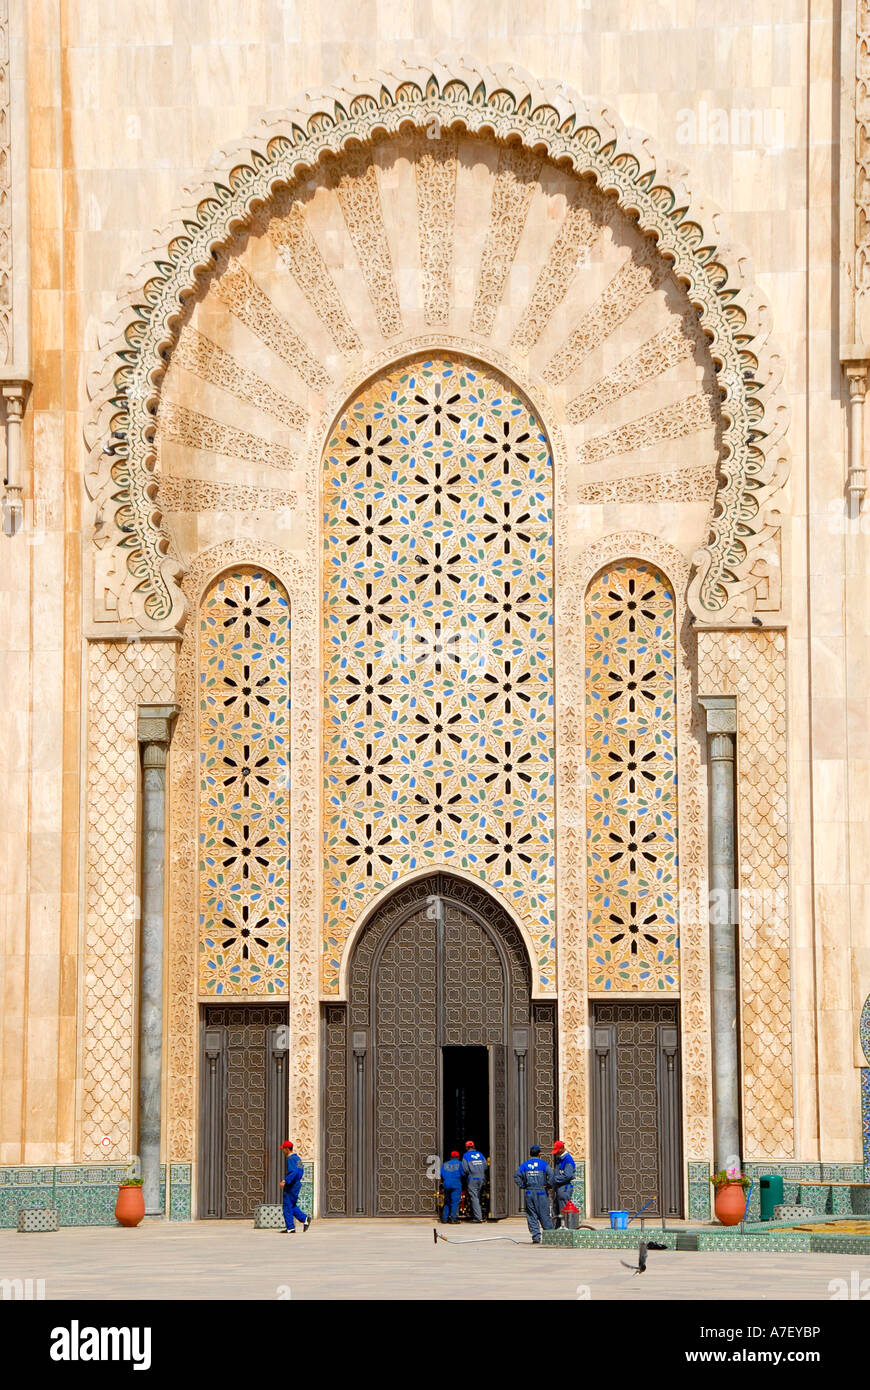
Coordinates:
(618, 1220)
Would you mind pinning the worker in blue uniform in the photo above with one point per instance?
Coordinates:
(564, 1169)
(535, 1178)
(474, 1167)
(291, 1183)
(451, 1181)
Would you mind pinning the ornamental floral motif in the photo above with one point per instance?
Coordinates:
(438, 645)
(244, 807)
(631, 798)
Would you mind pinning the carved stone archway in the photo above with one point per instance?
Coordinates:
(241, 277)
(135, 568)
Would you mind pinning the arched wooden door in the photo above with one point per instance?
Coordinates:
(439, 1033)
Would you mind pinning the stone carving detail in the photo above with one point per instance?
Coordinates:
(121, 676)
(356, 182)
(201, 432)
(683, 485)
(205, 359)
(436, 211)
(183, 928)
(752, 665)
(673, 344)
(571, 844)
(197, 495)
(672, 422)
(518, 170)
(136, 578)
(635, 279)
(766, 573)
(6, 353)
(235, 286)
(584, 219)
(301, 254)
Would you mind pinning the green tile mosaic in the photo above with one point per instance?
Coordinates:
(730, 1241)
(839, 1244)
(580, 1185)
(608, 1240)
(180, 1188)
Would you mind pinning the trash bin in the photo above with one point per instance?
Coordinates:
(618, 1220)
(771, 1195)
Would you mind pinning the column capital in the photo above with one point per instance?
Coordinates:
(15, 395)
(155, 724)
(721, 711)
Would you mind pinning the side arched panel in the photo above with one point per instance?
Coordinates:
(244, 785)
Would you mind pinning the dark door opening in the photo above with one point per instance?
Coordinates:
(465, 1091)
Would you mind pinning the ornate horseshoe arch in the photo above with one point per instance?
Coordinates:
(554, 174)
(135, 569)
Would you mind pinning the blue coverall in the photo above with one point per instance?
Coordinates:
(534, 1177)
(292, 1183)
(451, 1181)
(564, 1181)
(474, 1168)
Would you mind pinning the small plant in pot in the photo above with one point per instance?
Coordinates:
(130, 1206)
(729, 1187)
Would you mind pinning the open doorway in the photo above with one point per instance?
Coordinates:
(465, 1098)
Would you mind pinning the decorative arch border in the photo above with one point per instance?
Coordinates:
(504, 102)
(183, 998)
(571, 971)
(448, 871)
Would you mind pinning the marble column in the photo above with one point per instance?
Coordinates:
(856, 481)
(721, 731)
(14, 396)
(154, 733)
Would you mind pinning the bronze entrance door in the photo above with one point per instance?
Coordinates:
(243, 1107)
(439, 1043)
(636, 1129)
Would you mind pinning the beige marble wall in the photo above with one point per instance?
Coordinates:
(128, 102)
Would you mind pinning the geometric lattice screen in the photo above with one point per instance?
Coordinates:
(244, 802)
(632, 884)
(438, 645)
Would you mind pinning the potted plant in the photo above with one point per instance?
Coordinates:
(729, 1186)
(130, 1206)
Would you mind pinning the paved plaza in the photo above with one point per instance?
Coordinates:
(390, 1260)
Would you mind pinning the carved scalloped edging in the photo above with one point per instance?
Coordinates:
(125, 384)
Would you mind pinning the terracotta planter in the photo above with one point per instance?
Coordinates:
(730, 1203)
(130, 1206)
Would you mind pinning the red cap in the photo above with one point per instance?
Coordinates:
(286, 1144)
(557, 1146)
(469, 1143)
(454, 1153)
